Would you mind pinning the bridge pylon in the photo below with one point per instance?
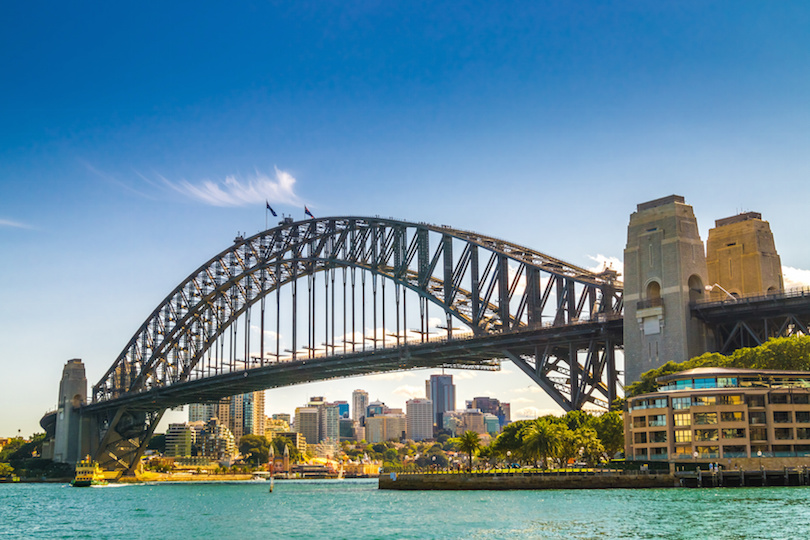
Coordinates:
(664, 271)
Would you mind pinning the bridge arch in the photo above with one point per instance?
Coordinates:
(547, 316)
(169, 345)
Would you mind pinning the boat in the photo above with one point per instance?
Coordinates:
(88, 473)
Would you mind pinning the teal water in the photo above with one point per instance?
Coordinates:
(356, 509)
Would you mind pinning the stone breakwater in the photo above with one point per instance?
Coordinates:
(504, 481)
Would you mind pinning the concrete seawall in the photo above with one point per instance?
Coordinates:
(503, 481)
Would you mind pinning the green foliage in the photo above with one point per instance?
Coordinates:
(158, 443)
(541, 440)
(17, 449)
(790, 353)
(469, 443)
(610, 431)
(278, 447)
(6, 469)
(511, 438)
(256, 449)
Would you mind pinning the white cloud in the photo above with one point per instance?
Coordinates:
(464, 375)
(521, 400)
(14, 224)
(604, 262)
(235, 191)
(410, 392)
(795, 277)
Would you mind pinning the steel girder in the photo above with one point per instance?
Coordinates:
(493, 287)
(752, 320)
(170, 343)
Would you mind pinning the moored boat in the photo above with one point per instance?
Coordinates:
(88, 473)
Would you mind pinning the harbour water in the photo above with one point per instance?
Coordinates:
(356, 509)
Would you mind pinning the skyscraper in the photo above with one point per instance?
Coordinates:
(359, 404)
(247, 414)
(442, 392)
(419, 419)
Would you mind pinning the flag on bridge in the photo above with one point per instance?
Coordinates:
(307, 212)
(271, 210)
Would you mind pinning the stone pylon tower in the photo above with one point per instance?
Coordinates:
(741, 257)
(72, 395)
(664, 270)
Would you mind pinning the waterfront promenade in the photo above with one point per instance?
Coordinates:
(508, 479)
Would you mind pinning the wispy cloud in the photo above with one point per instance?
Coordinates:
(13, 224)
(410, 392)
(530, 413)
(795, 277)
(238, 191)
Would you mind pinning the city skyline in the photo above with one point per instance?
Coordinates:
(126, 163)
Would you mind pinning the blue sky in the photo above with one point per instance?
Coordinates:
(544, 123)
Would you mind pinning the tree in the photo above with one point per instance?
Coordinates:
(511, 438)
(278, 446)
(541, 441)
(610, 430)
(6, 469)
(469, 442)
(256, 448)
(158, 443)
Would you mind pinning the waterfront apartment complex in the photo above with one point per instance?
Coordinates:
(721, 413)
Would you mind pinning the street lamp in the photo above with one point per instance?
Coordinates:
(710, 288)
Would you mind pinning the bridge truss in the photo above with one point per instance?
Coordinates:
(334, 297)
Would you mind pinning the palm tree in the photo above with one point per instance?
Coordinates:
(469, 442)
(541, 440)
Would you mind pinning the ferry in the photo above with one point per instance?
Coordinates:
(88, 473)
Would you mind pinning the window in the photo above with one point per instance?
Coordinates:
(756, 401)
(782, 417)
(708, 451)
(683, 436)
(682, 419)
(803, 417)
(639, 438)
(801, 399)
(641, 453)
(733, 399)
(705, 383)
(732, 416)
(685, 384)
(783, 434)
(683, 452)
(803, 433)
(757, 418)
(657, 420)
(658, 453)
(639, 421)
(704, 418)
(778, 398)
(734, 451)
(734, 433)
(758, 434)
(703, 401)
(706, 435)
(681, 402)
(658, 437)
(727, 382)
(658, 403)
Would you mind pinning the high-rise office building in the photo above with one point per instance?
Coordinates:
(203, 412)
(359, 404)
(419, 419)
(247, 414)
(307, 423)
(442, 392)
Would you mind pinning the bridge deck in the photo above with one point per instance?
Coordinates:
(482, 352)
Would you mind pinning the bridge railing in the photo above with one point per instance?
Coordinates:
(796, 292)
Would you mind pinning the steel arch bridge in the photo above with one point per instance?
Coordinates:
(284, 306)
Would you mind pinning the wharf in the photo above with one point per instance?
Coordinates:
(508, 480)
(744, 478)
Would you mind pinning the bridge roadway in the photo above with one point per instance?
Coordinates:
(474, 352)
